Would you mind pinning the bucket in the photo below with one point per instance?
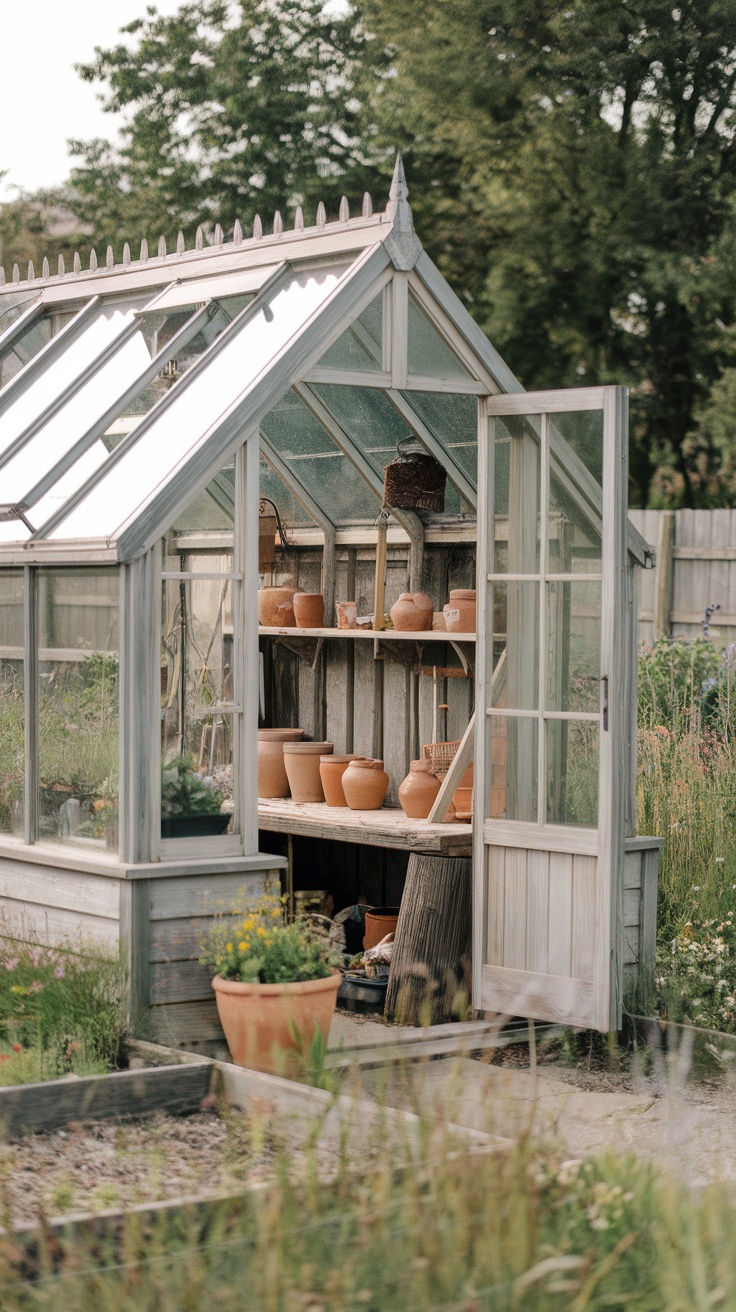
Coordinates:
(379, 921)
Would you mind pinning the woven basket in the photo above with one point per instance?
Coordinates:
(415, 482)
(267, 525)
(440, 756)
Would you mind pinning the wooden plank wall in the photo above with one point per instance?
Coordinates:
(696, 567)
(541, 906)
(43, 904)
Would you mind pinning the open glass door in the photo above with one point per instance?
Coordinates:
(550, 730)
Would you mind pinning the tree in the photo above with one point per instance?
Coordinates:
(230, 110)
(596, 140)
(34, 225)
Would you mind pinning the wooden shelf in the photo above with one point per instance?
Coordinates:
(383, 828)
(391, 635)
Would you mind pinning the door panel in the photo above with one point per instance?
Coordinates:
(550, 756)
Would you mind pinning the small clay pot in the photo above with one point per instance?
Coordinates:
(379, 921)
(309, 610)
(460, 611)
(412, 613)
(462, 798)
(418, 791)
(331, 770)
(365, 784)
(272, 780)
(301, 761)
(346, 612)
(276, 608)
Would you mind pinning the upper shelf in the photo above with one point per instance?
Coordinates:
(426, 635)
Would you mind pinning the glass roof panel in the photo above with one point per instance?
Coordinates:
(293, 429)
(290, 510)
(453, 419)
(23, 347)
(368, 418)
(429, 355)
(361, 345)
(135, 470)
(13, 305)
(61, 373)
(197, 291)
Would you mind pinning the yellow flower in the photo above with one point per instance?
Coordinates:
(243, 947)
(228, 947)
(276, 912)
(261, 931)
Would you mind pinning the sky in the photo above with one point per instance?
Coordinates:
(43, 101)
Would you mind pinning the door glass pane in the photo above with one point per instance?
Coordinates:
(197, 703)
(429, 355)
(361, 346)
(574, 531)
(576, 441)
(574, 646)
(515, 682)
(513, 767)
(12, 749)
(572, 772)
(78, 739)
(517, 480)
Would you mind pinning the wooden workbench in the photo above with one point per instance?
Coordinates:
(382, 828)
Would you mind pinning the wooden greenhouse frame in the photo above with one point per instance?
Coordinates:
(136, 397)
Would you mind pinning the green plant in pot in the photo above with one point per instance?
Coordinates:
(275, 983)
(191, 801)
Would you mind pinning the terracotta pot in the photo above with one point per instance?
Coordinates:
(412, 613)
(272, 780)
(365, 784)
(346, 612)
(379, 921)
(462, 798)
(331, 770)
(418, 791)
(309, 610)
(460, 611)
(301, 761)
(276, 608)
(270, 1027)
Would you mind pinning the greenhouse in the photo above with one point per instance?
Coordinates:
(186, 436)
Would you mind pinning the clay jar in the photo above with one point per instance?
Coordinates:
(462, 798)
(302, 769)
(365, 784)
(412, 613)
(418, 791)
(460, 611)
(276, 608)
(272, 780)
(309, 610)
(331, 770)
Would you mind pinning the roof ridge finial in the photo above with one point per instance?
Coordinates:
(403, 243)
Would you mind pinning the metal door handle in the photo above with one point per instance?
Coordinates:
(604, 702)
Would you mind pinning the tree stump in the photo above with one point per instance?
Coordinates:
(430, 966)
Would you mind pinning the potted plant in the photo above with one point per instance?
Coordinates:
(190, 801)
(275, 984)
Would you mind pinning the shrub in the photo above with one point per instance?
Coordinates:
(185, 790)
(696, 975)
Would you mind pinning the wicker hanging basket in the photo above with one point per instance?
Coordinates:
(266, 542)
(415, 480)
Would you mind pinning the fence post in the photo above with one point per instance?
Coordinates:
(664, 580)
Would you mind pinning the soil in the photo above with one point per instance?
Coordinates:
(98, 1165)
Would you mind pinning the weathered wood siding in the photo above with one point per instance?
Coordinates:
(49, 905)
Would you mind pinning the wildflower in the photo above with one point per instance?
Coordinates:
(228, 947)
(260, 931)
(17, 1047)
(58, 972)
(4, 1056)
(243, 947)
(12, 962)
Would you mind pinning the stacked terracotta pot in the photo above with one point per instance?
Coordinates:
(272, 779)
(302, 762)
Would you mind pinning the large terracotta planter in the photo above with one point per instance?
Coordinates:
(379, 921)
(270, 1027)
(331, 770)
(302, 768)
(417, 793)
(276, 608)
(272, 780)
(309, 610)
(412, 613)
(365, 784)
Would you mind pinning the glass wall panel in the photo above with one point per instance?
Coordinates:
(25, 346)
(578, 436)
(290, 510)
(516, 618)
(452, 418)
(572, 772)
(517, 458)
(368, 418)
(13, 305)
(429, 355)
(574, 647)
(197, 703)
(361, 346)
(513, 767)
(78, 706)
(182, 426)
(12, 748)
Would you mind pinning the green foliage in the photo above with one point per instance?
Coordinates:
(65, 1009)
(252, 944)
(78, 740)
(185, 790)
(675, 678)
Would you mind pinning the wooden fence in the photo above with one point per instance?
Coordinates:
(695, 570)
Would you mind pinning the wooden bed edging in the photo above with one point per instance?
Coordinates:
(178, 1089)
